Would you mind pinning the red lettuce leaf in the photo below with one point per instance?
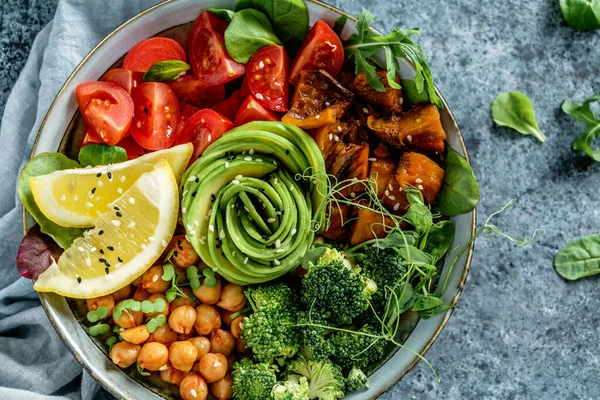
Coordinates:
(36, 253)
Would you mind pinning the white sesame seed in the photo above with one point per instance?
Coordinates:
(139, 124)
(75, 198)
(247, 158)
(235, 182)
(275, 181)
(278, 243)
(209, 137)
(409, 138)
(271, 220)
(89, 205)
(258, 160)
(131, 225)
(246, 260)
(420, 187)
(202, 240)
(330, 137)
(276, 262)
(339, 128)
(365, 110)
(123, 179)
(119, 190)
(183, 210)
(192, 178)
(93, 249)
(392, 198)
(100, 183)
(418, 180)
(193, 232)
(88, 262)
(118, 265)
(155, 277)
(143, 246)
(211, 228)
(274, 162)
(327, 104)
(279, 251)
(196, 223)
(192, 391)
(81, 249)
(261, 64)
(294, 231)
(260, 96)
(372, 159)
(164, 243)
(63, 197)
(187, 238)
(390, 186)
(222, 234)
(116, 223)
(226, 164)
(396, 206)
(151, 238)
(387, 192)
(291, 187)
(237, 238)
(318, 116)
(336, 138)
(238, 177)
(251, 151)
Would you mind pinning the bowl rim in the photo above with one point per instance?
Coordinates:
(336, 10)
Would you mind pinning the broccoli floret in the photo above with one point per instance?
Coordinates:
(335, 290)
(252, 381)
(295, 388)
(270, 331)
(385, 267)
(357, 348)
(356, 380)
(315, 345)
(325, 379)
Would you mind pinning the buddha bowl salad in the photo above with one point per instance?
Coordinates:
(252, 217)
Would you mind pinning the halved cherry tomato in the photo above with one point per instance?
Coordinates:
(133, 149)
(209, 58)
(147, 52)
(267, 74)
(245, 89)
(251, 110)
(229, 107)
(186, 111)
(124, 78)
(154, 124)
(90, 137)
(202, 129)
(191, 90)
(322, 49)
(107, 109)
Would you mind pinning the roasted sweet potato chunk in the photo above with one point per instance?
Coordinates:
(340, 158)
(394, 197)
(423, 173)
(381, 152)
(318, 100)
(358, 169)
(369, 225)
(389, 101)
(419, 128)
(381, 172)
(328, 136)
(339, 222)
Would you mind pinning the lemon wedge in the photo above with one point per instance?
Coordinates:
(126, 241)
(75, 197)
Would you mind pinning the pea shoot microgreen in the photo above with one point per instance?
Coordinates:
(99, 329)
(140, 370)
(193, 277)
(98, 314)
(110, 342)
(168, 272)
(209, 277)
(155, 322)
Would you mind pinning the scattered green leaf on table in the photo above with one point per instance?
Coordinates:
(248, 32)
(222, 13)
(166, 71)
(514, 110)
(101, 154)
(460, 190)
(582, 112)
(43, 164)
(581, 15)
(579, 259)
(289, 18)
(399, 43)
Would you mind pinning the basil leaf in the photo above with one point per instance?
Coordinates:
(101, 154)
(579, 259)
(514, 110)
(460, 190)
(43, 164)
(222, 13)
(438, 240)
(248, 32)
(289, 18)
(165, 71)
(339, 25)
(411, 94)
(581, 15)
(584, 114)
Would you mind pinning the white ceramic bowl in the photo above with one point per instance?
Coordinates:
(62, 130)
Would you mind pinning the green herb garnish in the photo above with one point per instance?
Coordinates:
(110, 342)
(98, 314)
(248, 32)
(99, 329)
(140, 370)
(514, 110)
(166, 71)
(155, 322)
(209, 277)
(101, 154)
(222, 13)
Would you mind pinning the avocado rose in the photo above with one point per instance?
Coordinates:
(251, 204)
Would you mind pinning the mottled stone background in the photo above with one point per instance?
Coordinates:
(519, 331)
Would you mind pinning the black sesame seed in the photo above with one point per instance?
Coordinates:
(272, 264)
(175, 254)
(93, 190)
(212, 196)
(119, 214)
(218, 245)
(180, 247)
(78, 279)
(197, 180)
(106, 263)
(106, 270)
(194, 194)
(282, 212)
(99, 174)
(100, 232)
(120, 260)
(102, 260)
(117, 208)
(101, 251)
(178, 241)
(287, 151)
(111, 248)
(109, 175)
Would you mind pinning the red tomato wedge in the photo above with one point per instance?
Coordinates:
(251, 110)
(133, 149)
(186, 111)
(209, 58)
(202, 129)
(154, 125)
(107, 108)
(322, 49)
(229, 107)
(267, 74)
(90, 138)
(191, 90)
(124, 78)
(245, 89)
(147, 52)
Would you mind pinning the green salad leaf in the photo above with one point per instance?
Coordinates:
(101, 154)
(581, 15)
(579, 259)
(222, 13)
(582, 112)
(411, 94)
(43, 164)
(398, 44)
(439, 239)
(289, 18)
(166, 71)
(460, 190)
(339, 25)
(248, 32)
(514, 110)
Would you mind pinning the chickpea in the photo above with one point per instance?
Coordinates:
(207, 319)
(213, 366)
(136, 335)
(129, 319)
(193, 387)
(186, 336)
(240, 346)
(226, 317)
(237, 325)
(163, 334)
(171, 375)
(222, 341)
(107, 301)
(124, 354)
(153, 356)
(202, 344)
(182, 276)
(209, 295)
(137, 281)
(152, 280)
(141, 294)
(182, 319)
(221, 389)
(187, 300)
(196, 367)
(153, 297)
(184, 254)
(122, 293)
(183, 355)
(232, 298)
